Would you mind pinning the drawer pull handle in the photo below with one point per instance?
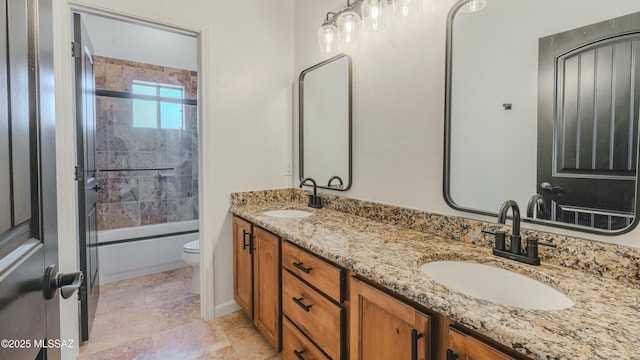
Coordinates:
(414, 344)
(301, 304)
(244, 239)
(298, 265)
(298, 354)
(451, 355)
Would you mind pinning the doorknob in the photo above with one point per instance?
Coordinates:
(551, 188)
(67, 283)
(97, 187)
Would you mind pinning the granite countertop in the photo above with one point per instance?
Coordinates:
(604, 323)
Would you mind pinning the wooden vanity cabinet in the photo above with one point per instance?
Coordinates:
(462, 346)
(382, 327)
(256, 277)
(313, 304)
(243, 264)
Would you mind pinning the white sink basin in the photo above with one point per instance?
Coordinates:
(288, 213)
(497, 285)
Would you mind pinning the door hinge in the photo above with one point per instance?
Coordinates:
(78, 172)
(75, 49)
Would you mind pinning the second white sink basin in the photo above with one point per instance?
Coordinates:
(497, 285)
(288, 213)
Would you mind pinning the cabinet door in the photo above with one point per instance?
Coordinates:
(243, 265)
(465, 347)
(383, 327)
(266, 285)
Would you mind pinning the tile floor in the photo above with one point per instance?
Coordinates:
(156, 317)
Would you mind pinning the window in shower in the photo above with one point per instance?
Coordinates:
(156, 110)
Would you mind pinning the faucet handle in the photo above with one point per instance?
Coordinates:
(532, 246)
(500, 237)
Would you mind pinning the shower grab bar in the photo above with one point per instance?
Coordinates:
(138, 169)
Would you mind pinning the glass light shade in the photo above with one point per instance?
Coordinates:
(404, 8)
(327, 38)
(349, 23)
(373, 17)
(473, 6)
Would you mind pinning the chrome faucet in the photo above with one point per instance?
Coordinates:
(314, 200)
(535, 205)
(335, 177)
(530, 256)
(516, 241)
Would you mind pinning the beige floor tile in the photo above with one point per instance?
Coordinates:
(141, 349)
(174, 313)
(226, 353)
(156, 317)
(237, 326)
(254, 347)
(189, 341)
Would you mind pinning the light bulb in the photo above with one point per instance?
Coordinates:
(404, 8)
(348, 25)
(327, 35)
(473, 6)
(373, 17)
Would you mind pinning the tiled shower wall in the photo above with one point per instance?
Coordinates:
(134, 198)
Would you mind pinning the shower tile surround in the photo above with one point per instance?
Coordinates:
(386, 243)
(143, 197)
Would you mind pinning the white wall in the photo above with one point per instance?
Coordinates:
(145, 44)
(398, 93)
(399, 109)
(245, 105)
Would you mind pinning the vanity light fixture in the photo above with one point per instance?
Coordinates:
(347, 23)
(473, 6)
(404, 8)
(328, 34)
(373, 17)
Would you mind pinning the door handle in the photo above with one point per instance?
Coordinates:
(551, 188)
(97, 187)
(67, 283)
(415, 336)
(244, 239)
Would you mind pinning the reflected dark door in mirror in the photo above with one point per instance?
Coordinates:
(588, 124)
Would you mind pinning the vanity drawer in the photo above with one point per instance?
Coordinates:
(296, 345)
(319, 318)
(320, 274)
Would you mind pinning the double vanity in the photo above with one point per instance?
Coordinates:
(361, 280)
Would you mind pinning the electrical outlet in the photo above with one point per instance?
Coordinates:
(288, 169)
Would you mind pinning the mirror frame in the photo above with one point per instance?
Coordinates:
(447, 150)
(304, 72)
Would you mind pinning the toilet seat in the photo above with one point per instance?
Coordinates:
(192, 247)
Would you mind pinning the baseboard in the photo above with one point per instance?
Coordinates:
(226, 308)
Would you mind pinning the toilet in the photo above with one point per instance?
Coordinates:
(191, 256)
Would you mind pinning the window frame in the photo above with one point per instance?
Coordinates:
(158, 99)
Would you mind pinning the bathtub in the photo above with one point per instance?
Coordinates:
(143, 250)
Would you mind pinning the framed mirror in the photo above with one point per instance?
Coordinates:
(325, 123)
(544, 112)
